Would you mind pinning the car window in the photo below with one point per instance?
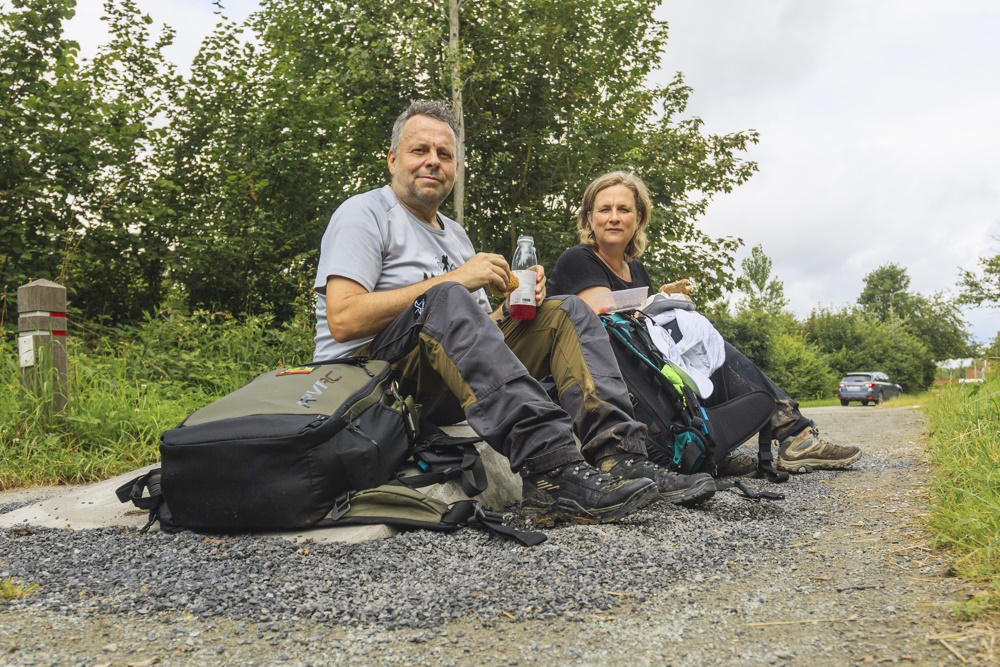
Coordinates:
(857, 378)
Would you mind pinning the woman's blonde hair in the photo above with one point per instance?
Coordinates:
(643, 209)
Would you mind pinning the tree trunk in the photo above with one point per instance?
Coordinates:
(456, 103)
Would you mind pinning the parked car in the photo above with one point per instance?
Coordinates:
(867, 387)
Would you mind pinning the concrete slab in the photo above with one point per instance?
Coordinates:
(96, 506)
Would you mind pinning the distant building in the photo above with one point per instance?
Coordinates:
(962, 370)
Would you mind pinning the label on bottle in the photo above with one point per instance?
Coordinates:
(524, 295)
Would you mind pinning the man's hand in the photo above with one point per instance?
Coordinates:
(482, 270)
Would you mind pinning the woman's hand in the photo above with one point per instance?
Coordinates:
(539, 284)
(683, 297)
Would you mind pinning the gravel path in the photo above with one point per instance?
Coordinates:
(838, 573)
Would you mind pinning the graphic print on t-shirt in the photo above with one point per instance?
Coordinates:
(444, 265)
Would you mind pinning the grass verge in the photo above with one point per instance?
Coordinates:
(964, 445)
(919, 400)
(129, 385)
(819, 402)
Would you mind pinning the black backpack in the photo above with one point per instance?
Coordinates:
(315, 446)
(277, 452)
(684, 435)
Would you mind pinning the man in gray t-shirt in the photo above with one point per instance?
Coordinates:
(385, 252)
(399, 281)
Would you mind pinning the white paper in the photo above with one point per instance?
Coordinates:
(26, 351)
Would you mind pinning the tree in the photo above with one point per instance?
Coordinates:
(549, 107)
(984, 289)
(273, 134)
(763, 293)
(854, 340)
(76, 143)
(938, 323)
(457, 83)
(116, 269)
(130, 181)
(46, 148)
(885, 293)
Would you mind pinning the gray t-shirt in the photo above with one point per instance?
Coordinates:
(375, 241)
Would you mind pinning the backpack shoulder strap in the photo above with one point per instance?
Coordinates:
(410, 509)
(135, 491)
(747, 492)
(442, 457)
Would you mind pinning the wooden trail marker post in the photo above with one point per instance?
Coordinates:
(41, 341)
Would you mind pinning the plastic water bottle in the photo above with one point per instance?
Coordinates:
(522, 300)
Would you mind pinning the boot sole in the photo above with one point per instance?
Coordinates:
(547, 515)
(696, 494)
(808, 465)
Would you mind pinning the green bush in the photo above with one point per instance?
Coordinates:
(800, 369)
(776, 345)
(856, 342)
(749, 332)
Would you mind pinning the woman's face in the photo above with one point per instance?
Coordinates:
(614, 219)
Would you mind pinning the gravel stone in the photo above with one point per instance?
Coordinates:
(736, 581)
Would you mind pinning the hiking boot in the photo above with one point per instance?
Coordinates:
(675, 488)
(738, 464)
(581, 493)
(806, 452)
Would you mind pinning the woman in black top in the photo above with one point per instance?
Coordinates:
(612, 224)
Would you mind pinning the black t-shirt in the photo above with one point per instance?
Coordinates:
(579, 268)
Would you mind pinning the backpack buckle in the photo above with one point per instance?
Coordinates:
(341, 505)
(394, 391)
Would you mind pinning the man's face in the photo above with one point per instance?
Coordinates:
(423, 170)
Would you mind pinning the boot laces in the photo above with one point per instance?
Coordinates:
(589, 471)
(643, 463)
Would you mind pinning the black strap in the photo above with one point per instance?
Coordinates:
(462, 513)
(442, 457)
(470, 513)
(133, 491)
(765, 465)
(765, 460)
(469, 469)
(627, 332)
(747, 492)
(412, 430)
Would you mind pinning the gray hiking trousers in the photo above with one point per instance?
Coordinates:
(458, 362)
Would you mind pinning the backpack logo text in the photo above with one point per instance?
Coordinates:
(317, 389)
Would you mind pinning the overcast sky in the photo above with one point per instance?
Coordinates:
(879, 135)
(879, 124)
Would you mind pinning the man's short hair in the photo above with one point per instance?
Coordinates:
(433, 108)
